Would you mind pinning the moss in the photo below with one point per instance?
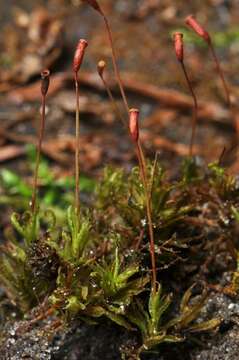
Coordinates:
(98, 264)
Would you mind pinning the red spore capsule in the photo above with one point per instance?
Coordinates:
(193, 23)
(79, 54)
(178, 45)
(134, 124)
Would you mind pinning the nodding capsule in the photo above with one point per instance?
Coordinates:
(193, 23)
(178, 45)
(94, 4)
(79, 54)
(101, 67)
(134, 124)
(45, 81)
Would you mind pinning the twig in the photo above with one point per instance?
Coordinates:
(207, 110)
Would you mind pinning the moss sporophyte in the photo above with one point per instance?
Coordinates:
(179, 51)
(45, 81)
(200, 31)
(124, 256)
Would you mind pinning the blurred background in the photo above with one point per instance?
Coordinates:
(43, 34)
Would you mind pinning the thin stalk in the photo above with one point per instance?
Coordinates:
(141, 160)
(134, 133)
(77, 61)
(39, 147)
(140, 157)
(220, 72)
(204, 34)
(95, 5)
(153, 174)
(195, 110)
(77, 147)
(45, 81)
(115, 65)
(112, 99)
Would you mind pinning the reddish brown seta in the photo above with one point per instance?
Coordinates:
(77, 61)
(94, 4)
(193, 23)
(79, 54)
(179, 51)
(134, 124)
(45, 81)
(178, 45)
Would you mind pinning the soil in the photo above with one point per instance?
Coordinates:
(103, 341)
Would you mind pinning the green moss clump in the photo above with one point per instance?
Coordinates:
(98, 265)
